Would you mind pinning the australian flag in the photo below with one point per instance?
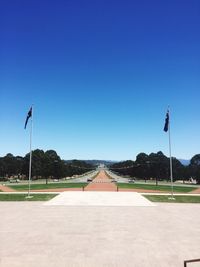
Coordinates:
(28, 116)
(166, 127)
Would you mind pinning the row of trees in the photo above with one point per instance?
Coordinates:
(44, 165)
(156, 166)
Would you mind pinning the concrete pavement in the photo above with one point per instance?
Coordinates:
(35, 235)
(100, 199)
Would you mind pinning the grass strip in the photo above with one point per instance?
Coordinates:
(178, 199)
(22, 197)
(167, 188)
(48, 186)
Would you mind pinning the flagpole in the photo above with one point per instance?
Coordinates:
(30, 161)
(170, 155)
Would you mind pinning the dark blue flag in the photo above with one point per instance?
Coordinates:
(166, 127)
(28, 116)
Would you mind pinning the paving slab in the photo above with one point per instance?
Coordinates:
(90, 198)
(35, 235)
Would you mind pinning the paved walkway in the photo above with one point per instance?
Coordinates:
(101, 183)
(35, 235)
(196, 191)
(4, 188)
(111, 199)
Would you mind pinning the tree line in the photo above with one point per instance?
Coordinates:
(44, 165)
(156, 166)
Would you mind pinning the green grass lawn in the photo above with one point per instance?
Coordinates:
(47, 186)
(178, 199)
(167, 188)
(22, 197)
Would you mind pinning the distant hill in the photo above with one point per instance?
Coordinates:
(185, 162)
(97, 162)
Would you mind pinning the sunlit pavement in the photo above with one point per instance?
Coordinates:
(100, 199)
(33, 235)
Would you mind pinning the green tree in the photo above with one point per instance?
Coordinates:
(142, 171)
(38, 157)
(10, 165)
(195, 167)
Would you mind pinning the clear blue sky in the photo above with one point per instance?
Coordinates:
(100, 75)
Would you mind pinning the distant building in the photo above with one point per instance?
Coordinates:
(101, 166)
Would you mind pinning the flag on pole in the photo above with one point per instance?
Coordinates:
(28, 116)
(166, 127)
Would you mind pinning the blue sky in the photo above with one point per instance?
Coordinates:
(100, 75)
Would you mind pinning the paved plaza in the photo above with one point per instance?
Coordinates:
(33, 234)
(100, 199)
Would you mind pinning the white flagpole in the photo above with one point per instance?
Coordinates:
(30, 161)
(170, 155)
